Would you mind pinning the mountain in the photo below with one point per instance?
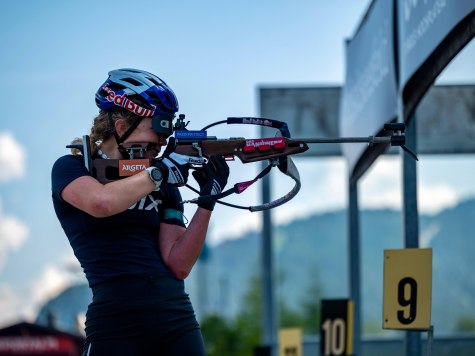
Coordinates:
(453, 246)
(313, 251)
(67, 310)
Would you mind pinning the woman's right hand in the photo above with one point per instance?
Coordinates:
(175, 166)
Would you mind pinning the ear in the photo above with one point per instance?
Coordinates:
(120, 126)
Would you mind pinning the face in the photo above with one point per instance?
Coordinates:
(145, 135)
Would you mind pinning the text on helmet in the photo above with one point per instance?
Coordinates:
(123, 101)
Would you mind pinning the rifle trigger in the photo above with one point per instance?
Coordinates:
(197, 147)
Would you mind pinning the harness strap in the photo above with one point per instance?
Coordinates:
(285, 165)
(238, 188)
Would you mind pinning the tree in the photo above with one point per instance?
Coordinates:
(239, 336)
(248, 322)
(465, 323)
(310, 306)
(220, 337)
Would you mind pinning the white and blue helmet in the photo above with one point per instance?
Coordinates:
(141, 93)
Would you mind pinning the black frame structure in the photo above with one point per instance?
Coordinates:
(396, 54)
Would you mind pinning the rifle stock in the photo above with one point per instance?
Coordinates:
(247, 150)
(251, 150)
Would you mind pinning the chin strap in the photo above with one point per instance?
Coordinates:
(121, 139)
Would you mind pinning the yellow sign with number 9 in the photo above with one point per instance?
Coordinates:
(407, 289)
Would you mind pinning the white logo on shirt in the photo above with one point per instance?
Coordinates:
(152, 204)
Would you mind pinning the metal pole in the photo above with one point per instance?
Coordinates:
(354, 264)
(267, 271)
(430, 340)
(368, 139)
(411, 219)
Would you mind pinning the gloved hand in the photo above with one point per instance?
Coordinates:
(174, 166)
(212, 179)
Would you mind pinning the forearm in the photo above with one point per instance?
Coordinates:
(123, 193)
(180, 254)
(102, 200)
(181, 250)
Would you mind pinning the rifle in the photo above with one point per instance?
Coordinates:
(198, 145)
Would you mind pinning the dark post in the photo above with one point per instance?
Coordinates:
(412, 340)
(267, 271)
(354, 263)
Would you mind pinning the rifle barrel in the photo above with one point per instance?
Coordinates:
(369, 139)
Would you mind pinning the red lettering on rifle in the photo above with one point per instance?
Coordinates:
(264, 144)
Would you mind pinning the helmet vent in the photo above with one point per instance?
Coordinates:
(140, 101)
(159, 102)
(114, 87)
(132, 81)
(154, 81)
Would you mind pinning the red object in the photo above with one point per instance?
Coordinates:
(279, 145)
(36, 345)
(248, 149)
(264, 144)
(32, 339)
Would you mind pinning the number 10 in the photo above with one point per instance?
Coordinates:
(335, 336)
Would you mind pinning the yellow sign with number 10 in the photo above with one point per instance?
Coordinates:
(407, 288)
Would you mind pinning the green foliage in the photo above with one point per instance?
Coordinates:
(231, 338)
(372, 327)
(289, 318)
(239, 337)
(308, 315)
(465, 323)
(219, 336)
(248, 322)
(311, 308)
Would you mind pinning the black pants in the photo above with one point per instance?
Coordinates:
(189, 344)
(142, 316)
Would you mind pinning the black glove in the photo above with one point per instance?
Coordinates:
(174, 166)
(212, 179)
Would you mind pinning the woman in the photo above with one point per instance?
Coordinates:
(129, 234)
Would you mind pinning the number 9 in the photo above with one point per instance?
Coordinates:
(410, 302)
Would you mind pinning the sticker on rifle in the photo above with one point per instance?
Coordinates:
(264, 144)
(129, 167)
(191, 134)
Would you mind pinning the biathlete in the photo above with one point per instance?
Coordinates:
(129, 235)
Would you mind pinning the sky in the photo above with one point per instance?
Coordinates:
(215, 55)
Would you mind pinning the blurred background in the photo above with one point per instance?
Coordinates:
(216, 55)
